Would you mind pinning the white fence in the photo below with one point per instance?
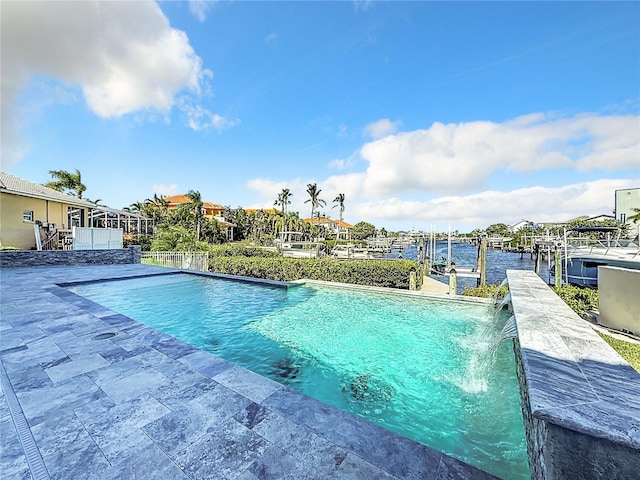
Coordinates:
(182, 260)
(85, 238)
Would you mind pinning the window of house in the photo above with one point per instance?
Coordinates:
(27, 215)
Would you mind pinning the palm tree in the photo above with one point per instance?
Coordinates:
(196, 206)
(157, 208)
(339, 202)
(283, 200)
(635, 218)
(67, 181)
(314, 198)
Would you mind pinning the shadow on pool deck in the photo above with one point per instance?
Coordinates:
(142, 404)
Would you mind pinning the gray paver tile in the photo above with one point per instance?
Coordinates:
(273, 464)
(77, 366)
(80, 460)
(195, 418)
(355, 468)
(134, 385)
(13, 463)
(150, 463)
(206, 363)
(248, 383)
(232, 448)
(59, 433)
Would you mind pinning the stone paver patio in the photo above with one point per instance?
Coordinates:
(142, 404)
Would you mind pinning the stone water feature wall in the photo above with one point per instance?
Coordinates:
(580, 399)
(47, 258)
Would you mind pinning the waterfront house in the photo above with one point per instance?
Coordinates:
(25, 206)
(518, 226)
(33, 216)
(341, 228)
(212, 211)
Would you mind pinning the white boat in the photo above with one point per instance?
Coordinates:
(350, 251)
(302, 249)
(291, 244)
(583, 257)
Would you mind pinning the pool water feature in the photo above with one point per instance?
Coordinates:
(420, 367)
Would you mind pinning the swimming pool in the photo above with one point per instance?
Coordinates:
(414, 365)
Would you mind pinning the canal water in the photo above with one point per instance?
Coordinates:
(466, 255)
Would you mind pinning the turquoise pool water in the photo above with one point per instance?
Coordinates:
(417, 366)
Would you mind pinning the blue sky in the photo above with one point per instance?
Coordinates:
(422, 113)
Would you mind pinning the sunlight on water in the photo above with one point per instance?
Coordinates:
(420, 367)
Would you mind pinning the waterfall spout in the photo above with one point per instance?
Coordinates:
(510, 329)
(505, 301)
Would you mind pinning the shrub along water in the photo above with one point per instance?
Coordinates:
(378, 273)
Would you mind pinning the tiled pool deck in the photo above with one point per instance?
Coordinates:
(145, 405)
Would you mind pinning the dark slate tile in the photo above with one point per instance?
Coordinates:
(387, 450)
(195, 418)
(117, 354)
(29, 378)
(252, 415)
(13, 463)
(355, 468)
(250, 384)
(174, 395)
(273, 464)
(298, 440)
(206, 363)
(222, 454)
(149, 463)
(60, 432)
(453, 469)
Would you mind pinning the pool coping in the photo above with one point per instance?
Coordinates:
(109, 408)
(580, 398)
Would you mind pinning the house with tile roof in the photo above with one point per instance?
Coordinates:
(212, 211)
(341, 228)
(27, 208)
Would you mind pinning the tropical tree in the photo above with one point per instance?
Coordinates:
(196, 206)
(174, 238)
(67, 182)
(283, 200)
(242, 221)
(635, 218)
(363, 230)
(314, 197)
(156, 208)
(339, 202)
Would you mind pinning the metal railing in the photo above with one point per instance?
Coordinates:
(182, 260)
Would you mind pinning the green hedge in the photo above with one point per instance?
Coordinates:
(379, 273)
(491, 290)
(240, 250)
(580, 299)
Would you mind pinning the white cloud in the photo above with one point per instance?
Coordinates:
(199, 118)
(124, 56)
(200, 8)
(337, 164)
(165, 190)
(537, 204)
(459, 158)
(381, 128)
